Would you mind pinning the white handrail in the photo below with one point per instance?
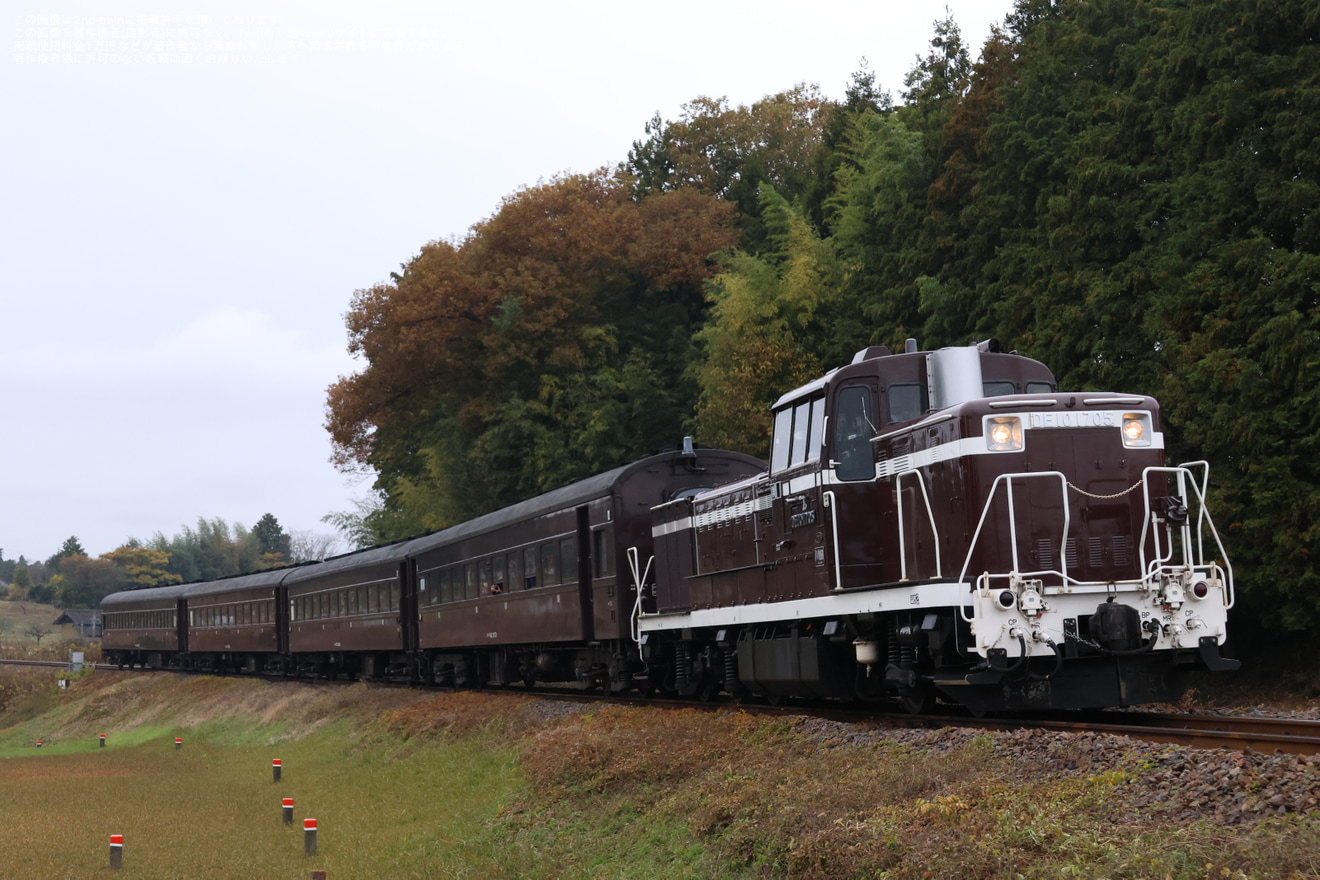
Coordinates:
(832, 504)
(639, 576)
(930, 514)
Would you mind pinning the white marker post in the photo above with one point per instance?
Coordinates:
(116, 851)
(275, 768)
(103, 740)
(309, 837)
(288, 811)
(178, 743)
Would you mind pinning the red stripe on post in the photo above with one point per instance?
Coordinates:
(288, 802)
(116, 840)
(309, 824)
(275, 762)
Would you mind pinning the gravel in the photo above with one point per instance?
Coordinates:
(1165, 783)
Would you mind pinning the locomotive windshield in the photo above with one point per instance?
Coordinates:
(799, 430)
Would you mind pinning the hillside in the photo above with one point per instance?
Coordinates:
(407, 783)
(23, 615)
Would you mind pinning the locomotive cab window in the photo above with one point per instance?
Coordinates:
(907, 402)
(997, 388)
(1039, 388)
(854, 426)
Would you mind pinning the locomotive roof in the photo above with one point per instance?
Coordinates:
(148, 594)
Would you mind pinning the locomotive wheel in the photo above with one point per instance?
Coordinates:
(918, 701)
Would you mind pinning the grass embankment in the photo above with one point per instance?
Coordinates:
(408, 784)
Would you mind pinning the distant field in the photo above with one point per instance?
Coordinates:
(25, 614)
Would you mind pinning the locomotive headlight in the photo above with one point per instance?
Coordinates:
(1003, 433)
(1136, 429)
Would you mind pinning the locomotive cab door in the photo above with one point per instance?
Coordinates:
(853, 506)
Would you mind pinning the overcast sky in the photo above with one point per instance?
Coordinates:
(193, 191)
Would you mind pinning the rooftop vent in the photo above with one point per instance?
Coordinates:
(871, 353)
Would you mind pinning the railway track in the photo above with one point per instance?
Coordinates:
(1201, 731)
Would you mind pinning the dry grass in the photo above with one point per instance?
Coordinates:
(410, 784)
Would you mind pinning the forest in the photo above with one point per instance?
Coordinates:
(1123, 190)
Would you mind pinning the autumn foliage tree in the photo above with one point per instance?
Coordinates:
(548, 344)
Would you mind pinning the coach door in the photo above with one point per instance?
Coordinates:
(852, 503)
(408, 604)
(583, 568)
(181, 624)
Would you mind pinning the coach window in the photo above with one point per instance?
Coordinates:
(783, 439)
(568, 571)
(906, 402)
(854, 426)
(483, 577)
(470, 580)
(497, 575)
(549, 565)
(350, 597)
(529, 568)
(371, 600)
(515, 571)
(600, 551)
(394, 597)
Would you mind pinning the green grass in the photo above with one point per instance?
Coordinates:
(211, 810)
(20, 741)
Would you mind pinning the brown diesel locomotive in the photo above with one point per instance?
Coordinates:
(946, 524)
(931, 525)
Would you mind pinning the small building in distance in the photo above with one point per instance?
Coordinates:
(77, 624)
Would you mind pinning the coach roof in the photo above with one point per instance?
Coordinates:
(556, 499)
(150, 594)
(269, 578)
(396, 552)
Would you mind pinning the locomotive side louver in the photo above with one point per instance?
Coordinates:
(1095, 552)
(1045, 548)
